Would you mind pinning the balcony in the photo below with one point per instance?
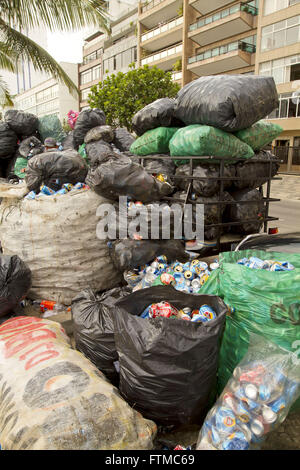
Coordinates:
(207, 6)
(164, 59)
(235, 20)
(156, 12)
(222, 59)
(163, 36)
(176, 76)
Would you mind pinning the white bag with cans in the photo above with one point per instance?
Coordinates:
(53, 398)
(56, 237)
(255, 401)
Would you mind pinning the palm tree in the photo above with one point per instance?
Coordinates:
(63, 15)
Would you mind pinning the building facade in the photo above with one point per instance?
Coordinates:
(50, 96)
(192, 38)
(105, 54)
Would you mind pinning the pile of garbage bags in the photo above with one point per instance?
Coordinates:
(216, 118)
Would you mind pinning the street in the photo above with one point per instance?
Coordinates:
(289, 215)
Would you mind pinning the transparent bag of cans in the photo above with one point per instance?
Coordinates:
(255, 401)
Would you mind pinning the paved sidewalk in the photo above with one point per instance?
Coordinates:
(287, 188)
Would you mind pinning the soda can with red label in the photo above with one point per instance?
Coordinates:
(167, 279)
(207, 312)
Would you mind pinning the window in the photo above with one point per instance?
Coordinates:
(282, 70)
(86, 77)
(85, 93)
(121, 60)
(283, 33)
(270, 6)
(93, 56)
(289, 106)
(47, 94)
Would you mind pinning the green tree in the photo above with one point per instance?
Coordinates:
(56, 15)
(122, 95)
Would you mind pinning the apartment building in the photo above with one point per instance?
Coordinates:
(50, 96)
(105, 54)
(192, 38)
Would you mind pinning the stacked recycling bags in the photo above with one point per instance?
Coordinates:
(216, 117)
(262, 301)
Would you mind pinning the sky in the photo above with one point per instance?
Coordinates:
(66, 47)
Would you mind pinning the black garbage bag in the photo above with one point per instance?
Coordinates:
(15, 282)
(118, 175)
(86, 120)
(31, 147)
(97, 151)
(104, 133)
(68, 142)
(254, 210)
(168, 367)
(228, 102)
(10, 168)
(55, 169)
(94, 330)
(207, 187)
(211, 211)
(23, 124)
(257, 173)
(130, 254)
(160, 113)
(163, 166)
(123, 139)
(8, 141)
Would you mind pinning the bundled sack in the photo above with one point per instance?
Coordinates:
(123, 139)
(105, 133)
(57, 237)
(53, 398)
(94, 330)
(167, 366)
(15, 282)
(254, 210)
(266, 303)
(30, 146)
(207, 187)
(160, 113)
(211, 211)
(55, 169)
(118, 175)
(154, 141)
(256, 173)
(50, 126)
(8, 141)
(260, 134)
(228, 102)
(23, 124)
(130, 254)
(165, 167)
(86, 120)
(231, 424)
(97, 151)
(68, 142)
(206, 140)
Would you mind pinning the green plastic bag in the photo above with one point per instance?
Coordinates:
(207, 141)
(260, 134)
(20, 164)
(82, 152)
(50, 126)
(266, 303)
(154, 141)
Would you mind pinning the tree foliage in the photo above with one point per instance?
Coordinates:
(122, 95)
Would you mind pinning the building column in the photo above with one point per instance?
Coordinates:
(188, 47)
(290, 155)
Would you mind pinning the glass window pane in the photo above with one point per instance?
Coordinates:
(280, 25)
(292, 35)
(292, 107)
(279, 39)
(278, 74)
(292, 21)
(283, 108)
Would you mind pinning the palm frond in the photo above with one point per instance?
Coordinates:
(7, 58)
(39, 57)
(55, 14)
(5, 97)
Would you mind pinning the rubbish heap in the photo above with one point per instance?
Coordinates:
(148, 316)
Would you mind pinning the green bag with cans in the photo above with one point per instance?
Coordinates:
(198, 140)
(154, 141)
(260, 134)
(266, 303)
